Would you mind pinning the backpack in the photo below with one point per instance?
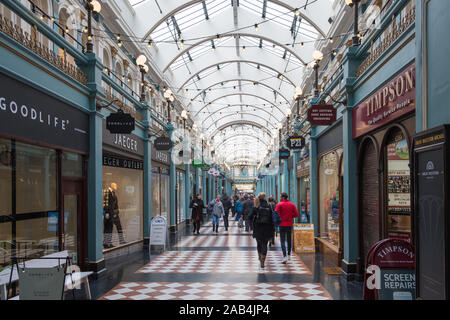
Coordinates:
(276, 219)
(263, 216)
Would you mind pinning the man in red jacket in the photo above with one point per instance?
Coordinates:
(287, 212)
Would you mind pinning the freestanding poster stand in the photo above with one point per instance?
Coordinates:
(158, 234)
(431, 218)
(40, 281)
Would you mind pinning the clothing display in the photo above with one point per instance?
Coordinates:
(111, 218)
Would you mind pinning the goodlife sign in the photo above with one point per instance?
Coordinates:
(393, 100)
(321, 115)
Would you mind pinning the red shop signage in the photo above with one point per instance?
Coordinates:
(393, 100)
(321, 115)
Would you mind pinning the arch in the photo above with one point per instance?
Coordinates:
(234, 34)
(193, 2)
(241, 135)
(235, 105)
(273, 126)
(241, 122)
(106, 58)
(234, 61)
(238, 94)
(245, 80)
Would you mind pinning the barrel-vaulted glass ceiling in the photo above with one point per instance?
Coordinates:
(234, 64)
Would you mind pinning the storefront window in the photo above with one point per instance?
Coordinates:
(399, 187)
(72, 165)
(36, 179)
(180, 197)
(305, 200)
(123, 203)
(156, 202)
(329, 197)
(165, 193)
(5, 179)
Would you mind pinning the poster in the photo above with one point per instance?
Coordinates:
(399, 195)
(41, 283)
(304, 240)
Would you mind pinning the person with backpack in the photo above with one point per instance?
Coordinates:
(217, 211)
(247, 208)
(287, 212)
(261, 216)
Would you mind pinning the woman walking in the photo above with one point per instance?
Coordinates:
(273, 204)
(197, 206)
(261, 215)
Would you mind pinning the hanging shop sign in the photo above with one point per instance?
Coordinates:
(390, 271)
(120, 122)
(196, 163)
(295, 142)
(395, 99)
(28, 113)
(321, 115)
(304, 238)
(284, 153)
(163, 143)
(113, 161)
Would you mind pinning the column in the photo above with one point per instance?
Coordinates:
(286, 176)
(294, 191)
(96, 261)
(314, 191)
(187, 191)
(196, 184)
(172, 184)
(147, 177)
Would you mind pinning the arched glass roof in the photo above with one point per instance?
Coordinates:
(234, 64)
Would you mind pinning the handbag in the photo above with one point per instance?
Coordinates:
(276, 219)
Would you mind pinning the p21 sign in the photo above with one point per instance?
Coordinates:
(296, 142)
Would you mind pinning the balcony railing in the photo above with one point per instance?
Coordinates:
(389, 38)
(31, 41)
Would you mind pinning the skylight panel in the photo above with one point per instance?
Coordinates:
(216, 6)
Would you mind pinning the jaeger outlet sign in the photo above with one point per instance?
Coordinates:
(393, 100)
(30, 114)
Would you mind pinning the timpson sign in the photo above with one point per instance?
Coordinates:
(394, 100)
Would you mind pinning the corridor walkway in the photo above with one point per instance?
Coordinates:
(221, 267)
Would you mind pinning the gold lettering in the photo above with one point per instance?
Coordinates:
(410, 80)
(378, 101)
(385, 94)
(402, 83)
(391, 92)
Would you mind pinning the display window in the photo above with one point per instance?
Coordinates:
(156, 192)
(29, 201)
(305, 200)
(398, 186)
(329, 197)
(181, 195)
(122, 206)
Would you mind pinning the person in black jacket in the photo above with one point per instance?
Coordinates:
(197, 206)
(226, 202)
(261, 216)
(247, 207)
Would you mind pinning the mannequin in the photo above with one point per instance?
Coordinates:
(111, 208)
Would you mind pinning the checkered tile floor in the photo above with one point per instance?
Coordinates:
(216, 291)
(232, 261)
(219, 241)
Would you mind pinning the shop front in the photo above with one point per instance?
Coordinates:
(122, 189)
(44, 145)
(180, 201)
(303, 190)
(160, 183)
(330, 185)
(383, 126)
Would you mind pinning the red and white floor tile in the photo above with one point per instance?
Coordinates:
(219, 241)
(232, 261)
(217, 291)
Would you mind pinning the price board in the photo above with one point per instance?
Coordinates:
(304, 238)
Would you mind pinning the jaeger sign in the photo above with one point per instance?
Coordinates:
(392, 101)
